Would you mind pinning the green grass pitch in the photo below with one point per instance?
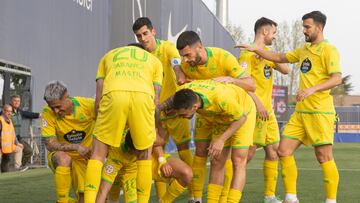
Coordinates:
(37, 185)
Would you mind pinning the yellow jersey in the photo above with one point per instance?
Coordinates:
(222, 103)
(219, 63)
(169, 56)
(76, 128)
(261, 71)
(316, 62)
(130, 68)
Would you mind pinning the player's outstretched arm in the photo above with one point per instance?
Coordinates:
(266, 54)
(283, 68)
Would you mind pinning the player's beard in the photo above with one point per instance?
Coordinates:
(310, 38)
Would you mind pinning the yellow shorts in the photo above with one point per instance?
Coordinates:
(124, 165)
(314, 129)
(206, 130)
(78, 170)
(266, 132)
(178, 128)
(119, 108)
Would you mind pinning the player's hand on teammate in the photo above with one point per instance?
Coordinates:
(262, 112)
(246, 46)
(302, 94)
(84, 151)
(166, 170)
(224, 79)
(183, 80)
(215, 148)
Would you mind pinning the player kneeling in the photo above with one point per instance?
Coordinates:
(122, 161)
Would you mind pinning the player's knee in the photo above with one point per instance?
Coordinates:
(187, 175)
(239, 163)
(323, 156)
(271, 156)
(63, 159)
(217, 164)
(283, 151)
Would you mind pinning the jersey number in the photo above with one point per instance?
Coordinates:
(130, 53)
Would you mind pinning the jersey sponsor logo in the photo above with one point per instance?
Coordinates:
(305, 66)
(74, 136)
(175, 62)
(109, 169)
(44, 123)
(267, 72)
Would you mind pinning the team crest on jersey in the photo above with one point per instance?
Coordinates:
(74, 136)
(267, 72)
(305, 66)
(44, 123)
(109, 169)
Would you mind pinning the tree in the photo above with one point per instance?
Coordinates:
(236, 32)
(345, 88)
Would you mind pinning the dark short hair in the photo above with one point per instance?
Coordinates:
(141, 22)
(317, 16)
(137, 45)
(187, 38)
(15, 96)
(184, 99)
(262, 22)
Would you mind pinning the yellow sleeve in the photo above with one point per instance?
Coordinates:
(293, 56)
(89, 104)
(101, 69)
(332, 60)
(158, 74)
(173, 55)
(230, 107)
(48, 123)
(245, 61)
(232, 66)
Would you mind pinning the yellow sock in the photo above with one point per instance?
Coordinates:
(144, 180)
(187, 157)
(331, 178)
(174, 190)
(234, 196)
(114, 193)
(92, 180)
(270, 177)
(289, 173)
(227, 181)
(199, 174)
(62, 183)
(213, 193)
(160, 189)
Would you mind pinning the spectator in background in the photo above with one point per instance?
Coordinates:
(16, 117)
(9, 144)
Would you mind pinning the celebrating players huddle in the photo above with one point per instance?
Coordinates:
(148, 91)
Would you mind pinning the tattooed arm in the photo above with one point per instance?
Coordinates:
(52, 144)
